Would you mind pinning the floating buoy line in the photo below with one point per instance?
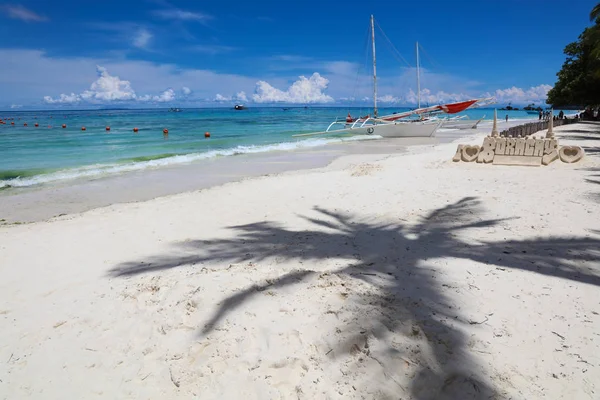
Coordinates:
(4, 121)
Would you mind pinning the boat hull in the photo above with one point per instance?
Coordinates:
(461, 124)
(397, 130)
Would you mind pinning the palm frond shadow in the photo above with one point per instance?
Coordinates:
(405, 298)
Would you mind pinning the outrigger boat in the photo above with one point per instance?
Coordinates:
(399, 124)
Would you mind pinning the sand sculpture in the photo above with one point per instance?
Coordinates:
(529, 151)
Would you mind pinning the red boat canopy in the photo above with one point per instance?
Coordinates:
(454, 108)
(451, 108)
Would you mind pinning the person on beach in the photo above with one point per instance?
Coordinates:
(540, 115)
(506, 117)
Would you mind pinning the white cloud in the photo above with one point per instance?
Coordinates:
(343, 68)
(186, 91)
(142, 38)
(166, 96)
(24, 77)
(240, 96)
(388, 98)
(22, 13)
(63, 99)
(12, 106)
(304, 90)
(211, 48)
(290, 58)
(23, 80)
(182, 15)
(535, 94)
(219, 97)
(108, 88)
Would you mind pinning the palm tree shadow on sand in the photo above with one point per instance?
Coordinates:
(404, 297)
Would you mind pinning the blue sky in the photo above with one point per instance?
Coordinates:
(149, 53)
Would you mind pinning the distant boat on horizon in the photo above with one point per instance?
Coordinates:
(173, 109)
(239, 107)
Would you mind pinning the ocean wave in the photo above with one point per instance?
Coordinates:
(149, 162)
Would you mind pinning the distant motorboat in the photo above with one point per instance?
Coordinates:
(174, 109)
(239, 107)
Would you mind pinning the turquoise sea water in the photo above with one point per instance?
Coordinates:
(49, 153)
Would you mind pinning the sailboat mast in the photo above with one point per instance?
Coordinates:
(418, 79)
(374, 69)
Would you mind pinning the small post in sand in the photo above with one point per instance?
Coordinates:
(495, 127)
(550, 133)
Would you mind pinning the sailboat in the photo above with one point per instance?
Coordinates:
(397, 124)
(461, 122)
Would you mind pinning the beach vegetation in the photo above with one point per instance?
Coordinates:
(578, 81)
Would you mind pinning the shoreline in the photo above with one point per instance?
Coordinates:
(46, 201)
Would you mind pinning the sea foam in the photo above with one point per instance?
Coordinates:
(104, 170)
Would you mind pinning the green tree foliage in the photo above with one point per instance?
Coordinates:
(579, 78)
(595, 14)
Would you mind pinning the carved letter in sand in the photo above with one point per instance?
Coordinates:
(520, 147)
(510, 151)
(570, 154)
(470, 153)
(458, 154)
(538, 150)
(510, 147)
(486, 155)
(500, 146)
(550, 152)
(529, 146)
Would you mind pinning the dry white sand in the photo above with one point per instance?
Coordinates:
(380, 277)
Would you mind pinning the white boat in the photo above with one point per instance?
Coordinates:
(380, 127)
(398, 124)
(461, 122)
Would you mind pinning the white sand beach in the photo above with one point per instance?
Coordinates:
(378, 276)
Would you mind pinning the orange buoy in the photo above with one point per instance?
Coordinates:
(108, 128)
(207, 134)
(135, 130)
(25, 124)
(12, 123)
(83, 128)
(166, 131)
(36, 125)
(64, 125)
